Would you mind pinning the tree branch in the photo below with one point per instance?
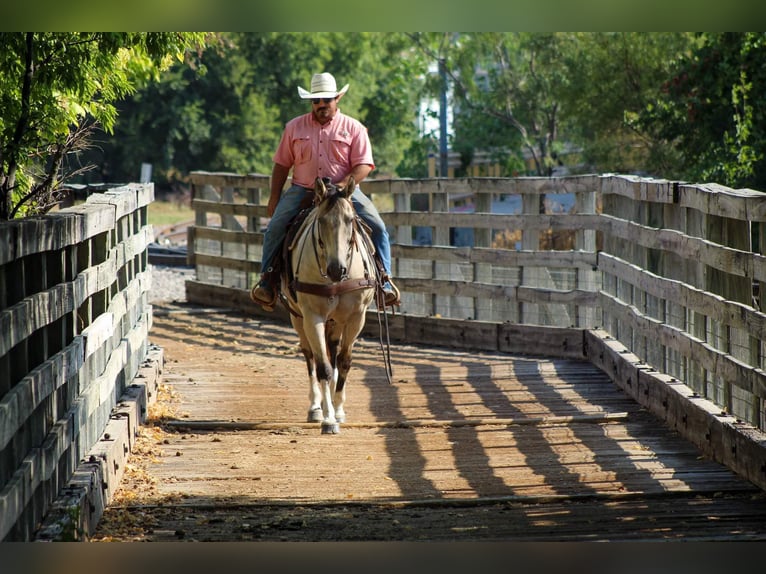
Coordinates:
(18, 134)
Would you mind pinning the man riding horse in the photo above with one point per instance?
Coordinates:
(323, 143)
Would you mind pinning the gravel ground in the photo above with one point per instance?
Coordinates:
(168, 282)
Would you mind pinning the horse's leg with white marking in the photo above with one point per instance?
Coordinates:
(350, 331)
(334, 335)
(315, 396)
(314, 329)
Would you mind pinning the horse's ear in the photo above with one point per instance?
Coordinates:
(350, 187)
(320, 189)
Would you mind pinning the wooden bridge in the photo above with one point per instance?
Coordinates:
(590, 368)
(462, 445)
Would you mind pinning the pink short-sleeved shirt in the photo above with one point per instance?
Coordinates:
(330, 150)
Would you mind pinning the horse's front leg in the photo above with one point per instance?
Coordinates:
(339, 390)
(315, 334)
(315, 414)
(346, 337)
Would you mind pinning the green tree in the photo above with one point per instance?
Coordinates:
(506, 93)
(54, 88)
(709, 120)
(230, 116)
(534, 97)
(612, 78)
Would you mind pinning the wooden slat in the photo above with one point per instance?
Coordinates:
(126, 199)
(227, 235)
(20, 403)
(221, 208)
(717, 362)
(727, 259)
(493, 220)
(70, 226)
(714, 306)
(507, 257)
(223, 179)
(719, 200)
(227, 263)
(497, 292)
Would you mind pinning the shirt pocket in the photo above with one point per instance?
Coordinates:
(340, 149)
(302, 149)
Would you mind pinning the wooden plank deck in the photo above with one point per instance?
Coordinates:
(476, 446)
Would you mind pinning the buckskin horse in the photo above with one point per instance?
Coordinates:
(331, 278)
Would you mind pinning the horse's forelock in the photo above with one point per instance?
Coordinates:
(330, 200)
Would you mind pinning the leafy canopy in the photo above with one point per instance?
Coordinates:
(230, 116)
(54, 87)
(709, 117)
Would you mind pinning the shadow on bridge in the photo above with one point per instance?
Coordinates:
(459, 446)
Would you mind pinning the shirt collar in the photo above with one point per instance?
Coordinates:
(332, 121)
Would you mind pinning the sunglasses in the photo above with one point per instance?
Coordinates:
(321, 100)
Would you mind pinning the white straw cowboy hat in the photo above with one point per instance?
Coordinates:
(322, 86)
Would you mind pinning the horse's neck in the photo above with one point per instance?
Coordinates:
(301, 235)
(304, 255)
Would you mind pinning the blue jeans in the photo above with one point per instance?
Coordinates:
(288, 207)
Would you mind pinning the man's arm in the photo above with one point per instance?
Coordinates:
(279, 175)
(359, 172)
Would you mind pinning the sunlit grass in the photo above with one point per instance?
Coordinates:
(164, 213)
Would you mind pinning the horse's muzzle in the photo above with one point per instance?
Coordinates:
(336, 272)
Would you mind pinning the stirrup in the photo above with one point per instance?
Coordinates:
(268, 305)
(391, 297)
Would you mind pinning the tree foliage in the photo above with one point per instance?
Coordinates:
(709, 119)
(230, 117)
(678, 105)
(613, 78)
(533, 98)
(506, 89)
(54, 88)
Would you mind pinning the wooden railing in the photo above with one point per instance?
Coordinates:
(682, 285)
(76, 368)
(671, 271)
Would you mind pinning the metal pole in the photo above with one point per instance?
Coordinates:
(443, 163)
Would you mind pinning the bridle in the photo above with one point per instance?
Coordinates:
(345, 285)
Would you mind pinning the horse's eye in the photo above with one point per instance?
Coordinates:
(321, 244)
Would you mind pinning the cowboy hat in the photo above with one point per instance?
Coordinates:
(322, 86)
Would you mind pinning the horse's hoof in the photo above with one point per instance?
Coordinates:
(330, 428)
(315, 415)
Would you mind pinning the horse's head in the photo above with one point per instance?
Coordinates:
(335, 227)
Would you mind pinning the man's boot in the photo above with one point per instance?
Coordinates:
(390, 292)
(264, 292)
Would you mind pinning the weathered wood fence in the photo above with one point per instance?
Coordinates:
(657, 282)
(76, 371)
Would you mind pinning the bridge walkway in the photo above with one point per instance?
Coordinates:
(459, 446)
